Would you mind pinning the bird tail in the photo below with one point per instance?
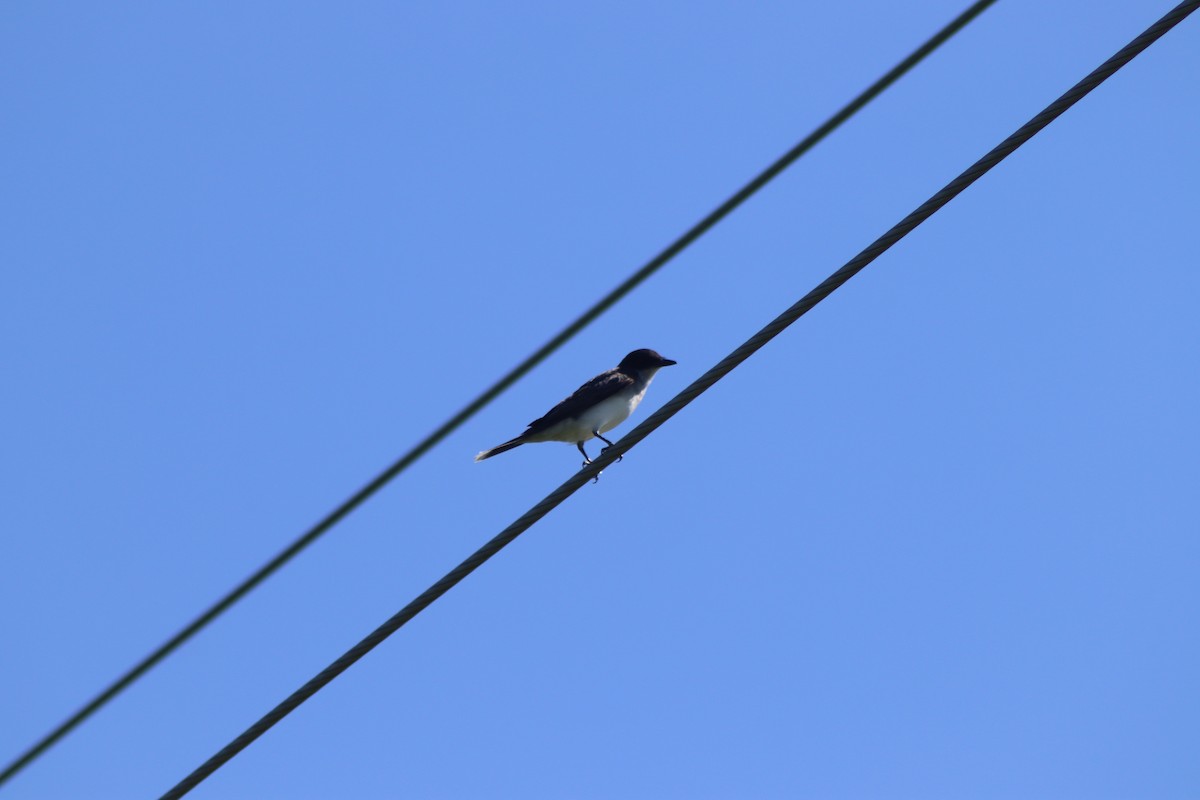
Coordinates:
(501, 448)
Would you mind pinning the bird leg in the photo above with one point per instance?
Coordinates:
(596, 433)
(587, 461)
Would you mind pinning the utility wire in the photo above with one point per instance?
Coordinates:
(726, 365)
(517, 372)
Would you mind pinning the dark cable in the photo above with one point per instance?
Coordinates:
(726, 365)
(517, 372)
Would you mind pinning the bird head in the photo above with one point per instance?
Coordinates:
(644, 359)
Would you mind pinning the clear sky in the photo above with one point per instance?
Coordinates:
(938, 540)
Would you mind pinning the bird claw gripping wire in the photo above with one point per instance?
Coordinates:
(619, 458)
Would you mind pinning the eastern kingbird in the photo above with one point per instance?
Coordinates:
(598, 406)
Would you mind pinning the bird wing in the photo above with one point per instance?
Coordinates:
(599, 388)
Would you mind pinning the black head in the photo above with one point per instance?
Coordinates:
(643, 359)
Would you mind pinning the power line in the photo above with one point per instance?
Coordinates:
(724, 367)
(517, 372)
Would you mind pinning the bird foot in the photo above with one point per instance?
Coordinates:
(619, 458)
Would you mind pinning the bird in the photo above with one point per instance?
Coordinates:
(595, 408)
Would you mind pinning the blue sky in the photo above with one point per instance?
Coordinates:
(939, 539)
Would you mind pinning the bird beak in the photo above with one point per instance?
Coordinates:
(666, 362)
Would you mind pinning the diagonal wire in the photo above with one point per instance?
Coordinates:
(700, 385)
(517, 372)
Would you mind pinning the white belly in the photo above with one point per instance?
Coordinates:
(602, 417)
